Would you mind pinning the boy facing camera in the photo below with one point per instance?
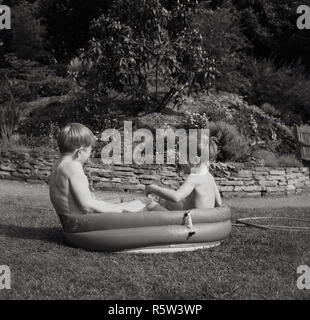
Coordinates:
(69, 188)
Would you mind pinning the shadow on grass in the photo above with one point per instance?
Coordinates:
(48, 234)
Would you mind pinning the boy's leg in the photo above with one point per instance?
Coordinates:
(170, 205)
(165, 205)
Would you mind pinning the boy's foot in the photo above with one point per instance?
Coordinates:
(127, 198)
(134, 206)
(155, 206)
(152, 205)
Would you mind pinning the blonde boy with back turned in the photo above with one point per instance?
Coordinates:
(69, 188)
(199, 190)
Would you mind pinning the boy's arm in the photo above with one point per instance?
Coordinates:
(185, 190)
(218, 198)
(80, 189)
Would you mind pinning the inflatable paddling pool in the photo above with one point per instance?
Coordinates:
(151, 231)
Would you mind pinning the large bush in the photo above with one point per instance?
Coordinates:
(134, 50)
(259, 127)
(287, 88)
(232, 146)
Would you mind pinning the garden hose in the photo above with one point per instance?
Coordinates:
(246, 222)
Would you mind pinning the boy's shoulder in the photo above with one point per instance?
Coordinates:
(197, 178)
(193, 178)
(69, 168)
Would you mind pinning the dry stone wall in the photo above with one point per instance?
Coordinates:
(232, 179)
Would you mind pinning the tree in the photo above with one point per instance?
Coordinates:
(224, 40)
(146, 51)
(67, 24)
(27, 31)
(271, 28)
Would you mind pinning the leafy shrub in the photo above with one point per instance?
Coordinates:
(232, 146)
(53, 86)
(44, 142)
(251, 121)
(21, 90)
(286, 88)
(289, 160)
(265, 158)
(9, 120)
(30, 144)
(9, 109)
(270, 109)
(24, 90)
(214, 107)
(5, 94)
(260, 128)
(157, 120)
(196, 120)
(270, 159)
(81, 108)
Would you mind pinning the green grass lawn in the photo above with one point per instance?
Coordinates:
(251, 264)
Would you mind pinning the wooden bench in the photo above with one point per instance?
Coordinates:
(303, 142)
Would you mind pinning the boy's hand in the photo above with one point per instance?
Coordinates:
(148, 189)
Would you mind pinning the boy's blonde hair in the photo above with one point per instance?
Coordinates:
(213, 147)
(74, 136)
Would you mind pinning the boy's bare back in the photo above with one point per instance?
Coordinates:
(205, 193)
(60, 190)
(198, 191)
